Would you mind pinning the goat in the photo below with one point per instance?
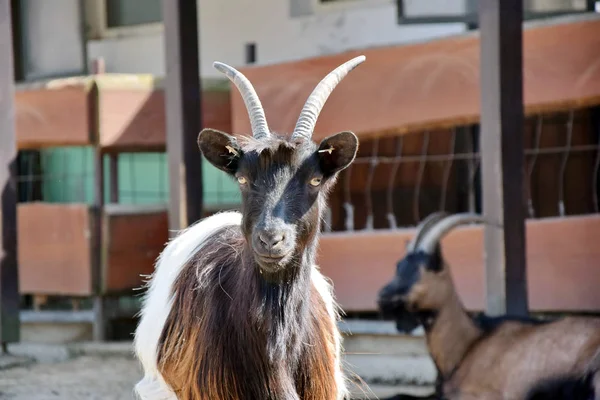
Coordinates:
(236, 307)
(491, 358)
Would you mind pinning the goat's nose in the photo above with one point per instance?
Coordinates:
(270, 240)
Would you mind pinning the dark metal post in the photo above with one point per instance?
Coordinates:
(9, 279)
(502, 161)
(183, 112)
(99, 305)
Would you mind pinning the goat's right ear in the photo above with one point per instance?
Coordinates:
(220, 149)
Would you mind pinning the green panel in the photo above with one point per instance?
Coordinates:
(67, 175)
(143, 178)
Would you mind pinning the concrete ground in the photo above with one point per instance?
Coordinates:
(105, 371)
(83, 377)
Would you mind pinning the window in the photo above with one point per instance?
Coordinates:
(38, 27)
(121, 13)
(113, 18)
(437, 11)
(302, 8)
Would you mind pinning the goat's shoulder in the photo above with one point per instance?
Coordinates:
(490, 325)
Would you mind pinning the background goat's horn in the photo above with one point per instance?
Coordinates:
(258, 121)
(313, 106)
(437, 232)
(423, 227)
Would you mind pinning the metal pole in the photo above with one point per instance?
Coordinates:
(500, 25)
(183, 112)
(9, 278)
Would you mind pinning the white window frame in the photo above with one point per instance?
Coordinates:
(340, 5)
(97, 28)
(307, 8)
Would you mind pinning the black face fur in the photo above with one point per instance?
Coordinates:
(392, 298)
(284, 185)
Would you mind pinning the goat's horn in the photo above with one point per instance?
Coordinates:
(315, 102)
(423, 227)
(258, 121)
(436, 233)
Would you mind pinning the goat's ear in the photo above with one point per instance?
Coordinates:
(337, 152)
(220, 149)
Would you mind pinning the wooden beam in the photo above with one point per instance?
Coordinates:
(561, 262)
(9, 280)
(501, 81)
(182, 103)
(99, 328)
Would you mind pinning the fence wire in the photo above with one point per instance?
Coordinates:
(399, 186)
(66, 175)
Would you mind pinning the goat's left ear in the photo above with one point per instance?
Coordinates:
(337, 152)
(220, 149)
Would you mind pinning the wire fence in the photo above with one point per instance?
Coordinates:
(398, 181)
(66, 175)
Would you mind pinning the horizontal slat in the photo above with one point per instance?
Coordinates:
(54, 113)
(562, 258)
(132, 242)
(132, 112)
(429, 85)
(54, 243)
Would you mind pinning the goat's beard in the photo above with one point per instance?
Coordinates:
(406, 321)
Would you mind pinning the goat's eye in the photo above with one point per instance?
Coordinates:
(315, 181)
(241, 180)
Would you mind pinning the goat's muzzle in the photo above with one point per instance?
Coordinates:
(393, 306)
(272, 248)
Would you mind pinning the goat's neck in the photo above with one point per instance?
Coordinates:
(450, 334)
(282, 306)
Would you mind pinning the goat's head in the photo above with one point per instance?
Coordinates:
(422, 282)
(283, 181)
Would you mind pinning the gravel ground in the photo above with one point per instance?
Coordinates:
(105, 377)
(85, 377)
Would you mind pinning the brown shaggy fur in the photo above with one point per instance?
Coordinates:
(223, 337)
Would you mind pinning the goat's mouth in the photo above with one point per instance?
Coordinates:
(390, 306)
(272, 262)
(395, 308)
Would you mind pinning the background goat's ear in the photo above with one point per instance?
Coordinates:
(220, 149)
(337, 152)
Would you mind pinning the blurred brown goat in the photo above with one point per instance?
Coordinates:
(484, 357)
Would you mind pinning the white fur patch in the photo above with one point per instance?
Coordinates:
(158, 299)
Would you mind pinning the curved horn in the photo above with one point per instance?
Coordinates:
(315, 102)
(436, 233)
(258, 121)
(423, 227)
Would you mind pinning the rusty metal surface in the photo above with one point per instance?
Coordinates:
(134, 119)
(62, 112)
(427, 85)
(54, 116)
(132, 242)
(562, 263)
(55, 243)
